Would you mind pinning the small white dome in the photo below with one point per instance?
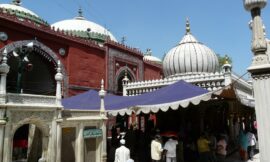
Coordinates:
(190, 56)
(148, 57)
(152, 59)
(82, 25)
(18, 8)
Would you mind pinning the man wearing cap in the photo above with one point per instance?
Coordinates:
(122, 154)
(156, 149)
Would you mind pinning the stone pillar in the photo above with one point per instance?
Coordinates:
(2, 133)
(58, 78)
(4, 69)
(59, 140)
(53, 141)
(7, 153)
(104, 141)
(80, 144)
(260, 72)
(103, 150)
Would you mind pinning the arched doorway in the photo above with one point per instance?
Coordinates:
(120, 76)
(27, 144)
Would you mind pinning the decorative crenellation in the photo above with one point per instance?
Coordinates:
(125, 47)
(23, 16)
(50, 30)
(212, 81)
(30, 100)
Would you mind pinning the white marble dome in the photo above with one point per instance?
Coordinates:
(80, 24)
(190, 56)
(16, 7)
(22, 13)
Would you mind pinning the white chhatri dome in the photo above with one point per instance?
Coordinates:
(190, 56)
(16, 7)
(148, 57)
(82, 25)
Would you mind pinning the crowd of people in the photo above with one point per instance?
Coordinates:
(137, 146)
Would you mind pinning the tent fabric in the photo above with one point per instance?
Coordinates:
(172, 96)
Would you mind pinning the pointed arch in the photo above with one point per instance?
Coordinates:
(42, 50)
(120, 74)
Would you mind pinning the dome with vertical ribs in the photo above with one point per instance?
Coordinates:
(190, 56)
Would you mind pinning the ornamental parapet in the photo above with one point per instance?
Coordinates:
(30, 100)
(209, 81)
(50, 30)
(124, 47)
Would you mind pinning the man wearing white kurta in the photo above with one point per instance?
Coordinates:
(170, 146)
(156, 149)
(122, 154)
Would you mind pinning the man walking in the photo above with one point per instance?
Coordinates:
(170, 147)
(122, 154)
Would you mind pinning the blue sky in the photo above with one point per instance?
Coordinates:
(160, 24)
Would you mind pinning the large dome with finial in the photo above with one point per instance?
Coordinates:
(190, 56)
(81, 27)
(22, 13)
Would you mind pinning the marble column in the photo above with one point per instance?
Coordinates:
(104, 141)
(59, 140)
(2, 131)
(53, 141)
(80, 144)
(260, 72)
(4, 69)
(7, 151)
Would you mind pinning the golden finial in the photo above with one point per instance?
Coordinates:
(226, 60)
(187, 26)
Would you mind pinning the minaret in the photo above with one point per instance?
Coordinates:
(4, 69)
(227, 71)
(59, 79)
(125, 82)
(102, 94)
(260, 72)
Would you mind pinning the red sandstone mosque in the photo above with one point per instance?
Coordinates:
(87, 51)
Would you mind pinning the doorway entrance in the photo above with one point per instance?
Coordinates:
(27, 144)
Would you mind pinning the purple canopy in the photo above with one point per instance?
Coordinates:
(178, 91)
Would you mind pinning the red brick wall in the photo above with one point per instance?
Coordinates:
(86, 67)
(152, 72)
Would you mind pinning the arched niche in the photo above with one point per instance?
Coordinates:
(38, 79)
(120, 74)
